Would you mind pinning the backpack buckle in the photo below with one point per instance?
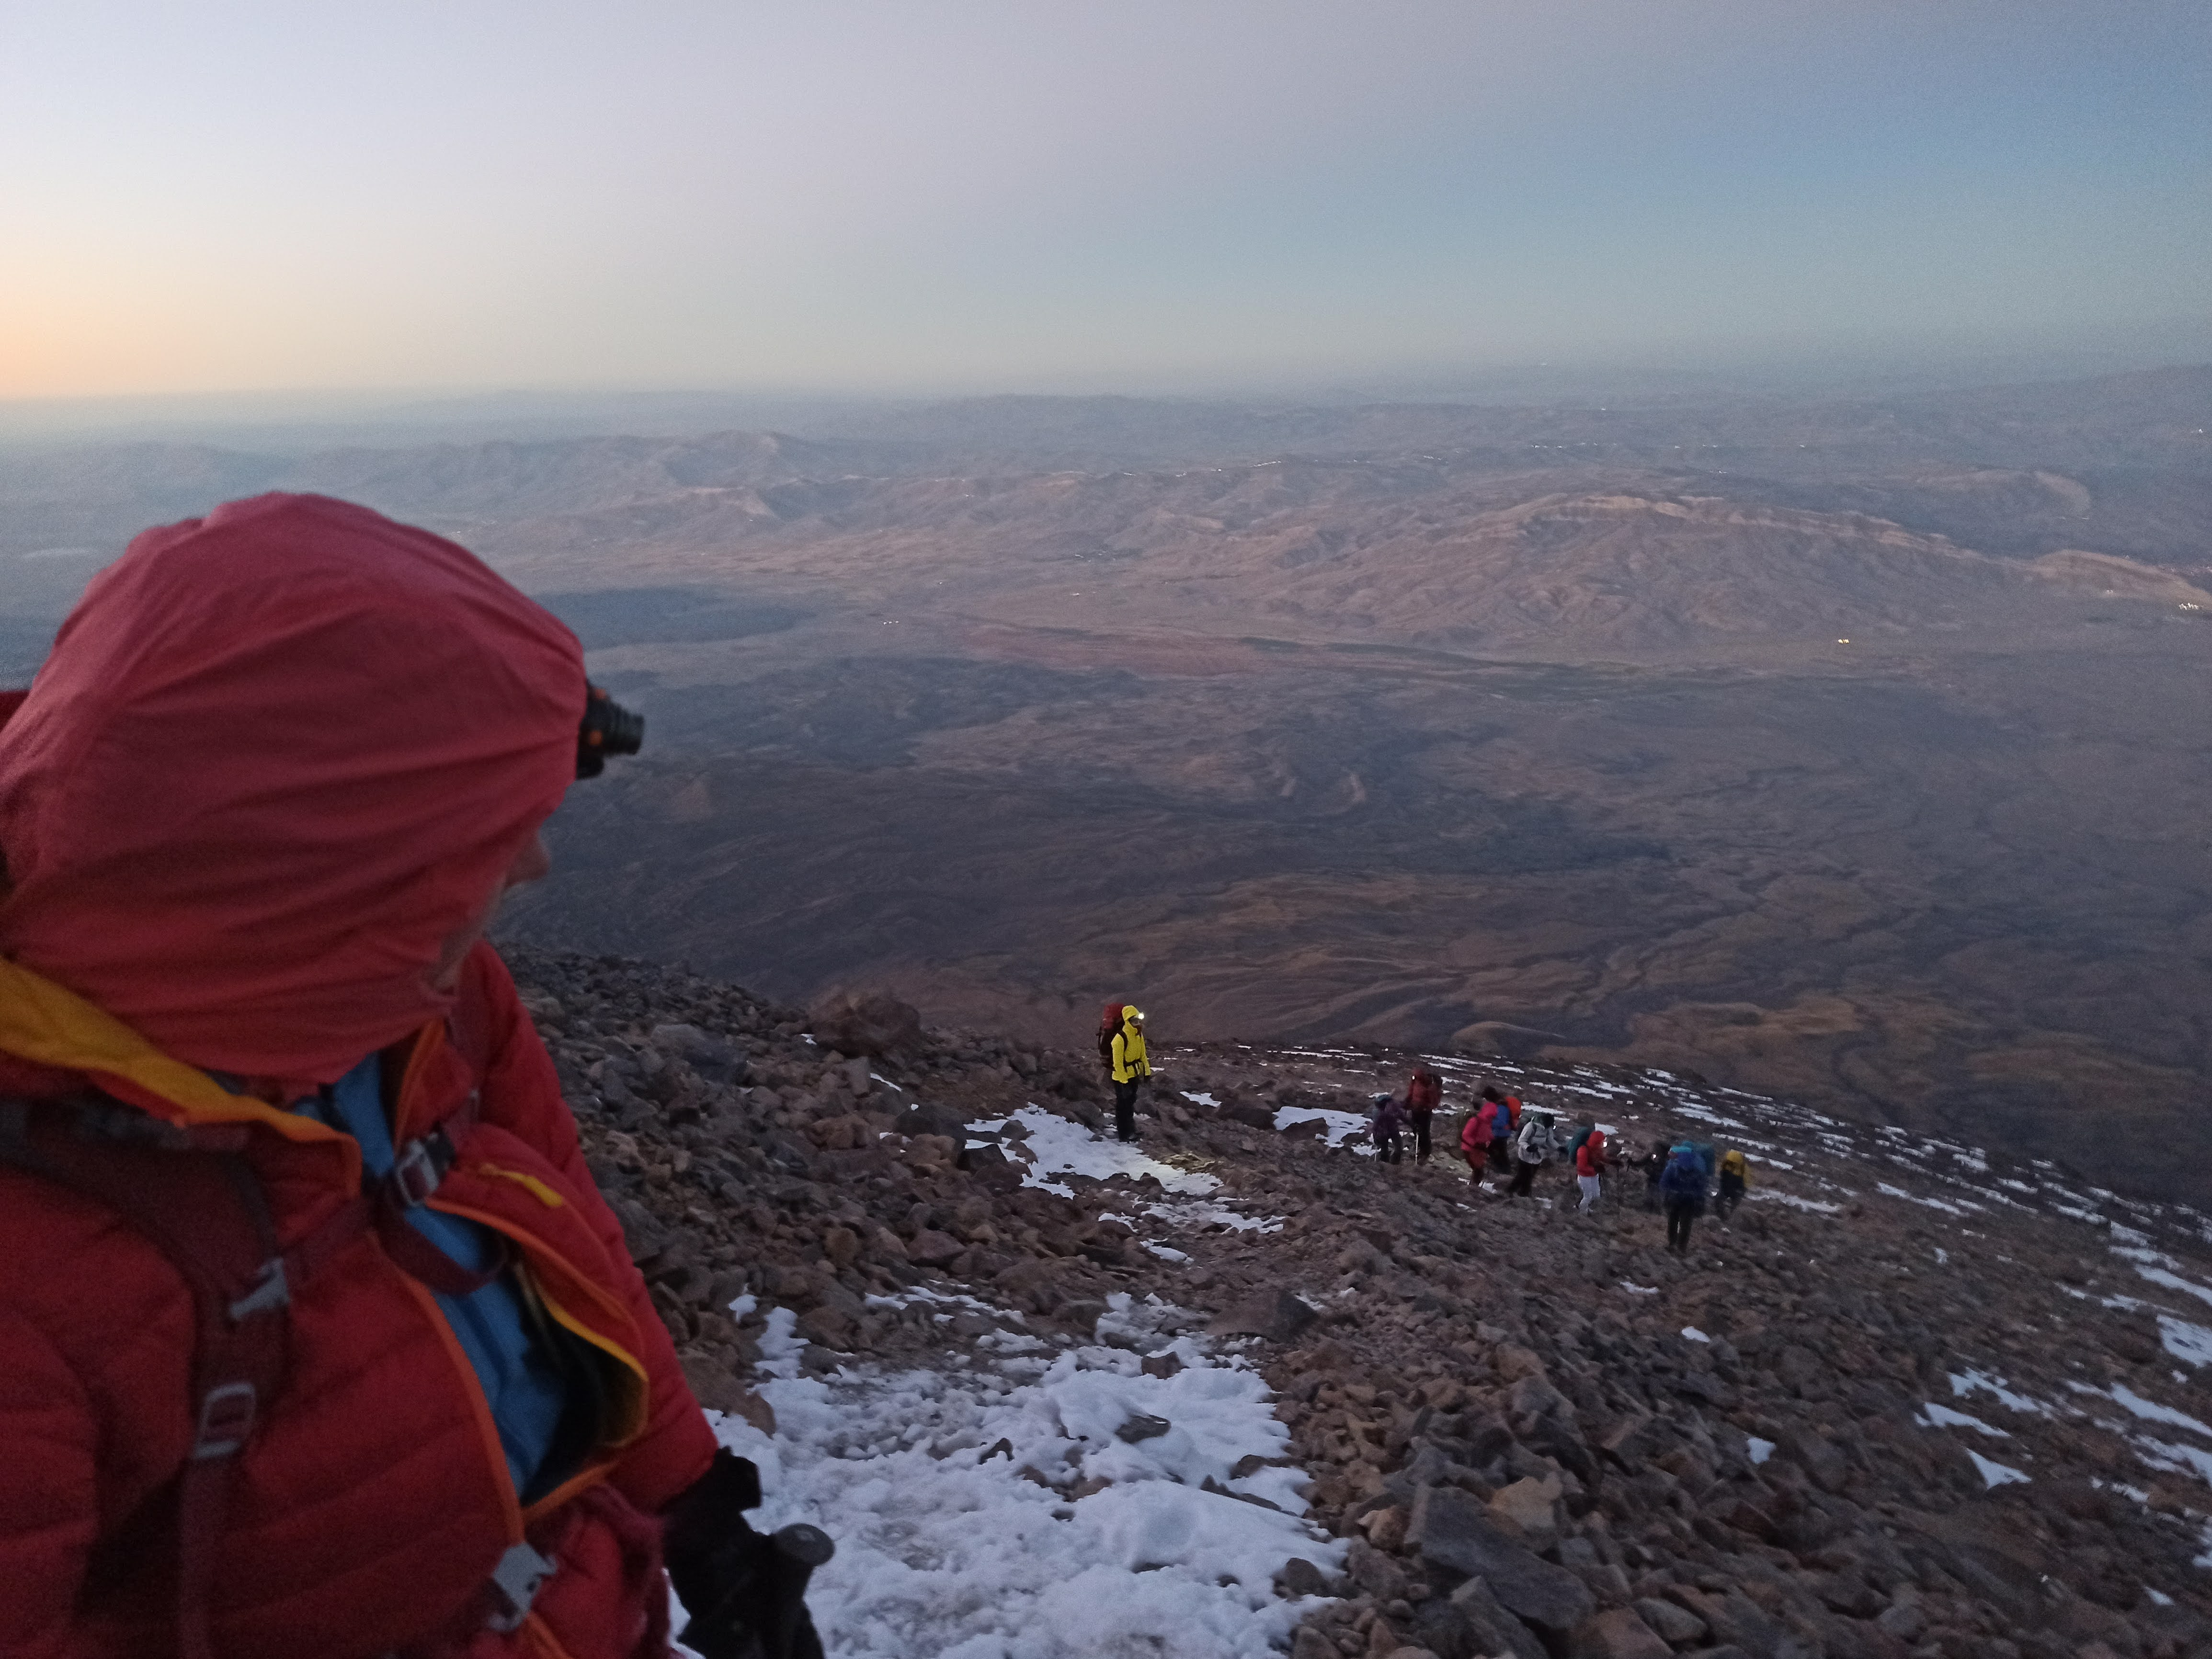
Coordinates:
(226, 1415)
(514, 1583)
(419, 1167)
(270, 1294)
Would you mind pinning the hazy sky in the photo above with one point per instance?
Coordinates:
(909, 195)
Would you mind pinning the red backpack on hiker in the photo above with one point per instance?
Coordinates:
(1109, 1027)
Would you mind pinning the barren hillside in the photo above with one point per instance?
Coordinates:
(1241, 1388)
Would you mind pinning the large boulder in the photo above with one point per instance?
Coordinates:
(991, 1169)
(864, 1022)
(1473, 1622)
(1250, 1113)
(713, 1387)
(934, 1249)
(1276, 1314)
(1452, 1529)
(1528, 1509)
(1734, 1618)
(1617, 1634)
(1819, 1458)
(933, 1118)
(716, 1059)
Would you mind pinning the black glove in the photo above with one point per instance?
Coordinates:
(745, 1591)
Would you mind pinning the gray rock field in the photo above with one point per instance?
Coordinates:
(1912, 1399)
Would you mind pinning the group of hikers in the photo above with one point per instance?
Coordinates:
(1500, 1137)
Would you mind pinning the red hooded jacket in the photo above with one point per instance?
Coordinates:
(278, 756)
(1589, 1157)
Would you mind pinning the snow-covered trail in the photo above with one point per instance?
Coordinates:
(1035, 1500)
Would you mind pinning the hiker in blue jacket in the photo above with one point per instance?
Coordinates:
(1682, 1191)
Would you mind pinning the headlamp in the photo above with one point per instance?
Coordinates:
(607, 728)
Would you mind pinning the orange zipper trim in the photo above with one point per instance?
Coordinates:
(530, 1183)
(609, 1304)
(479, 1408)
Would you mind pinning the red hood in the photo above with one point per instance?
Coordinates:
(278, 756)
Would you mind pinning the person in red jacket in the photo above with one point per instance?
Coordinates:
(255, 814)
(1474, 1137)
(1424, 1092)
(1488, 1136)
(1590, 1162)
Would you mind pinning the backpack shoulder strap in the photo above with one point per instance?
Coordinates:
(205, 1212)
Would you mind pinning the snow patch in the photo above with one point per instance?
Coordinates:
(1994, 1474)
(2190, 1343)
(1059, 1147)
(1888, 1191)
(1966, 1383)
(2149, 1410)
(1768, 1195)
(1344, 1128)
(2173, 1281)
(1202, 1214)
(950, 1496)
(2182, 1459)
(1943, 1417)
(780, 1346)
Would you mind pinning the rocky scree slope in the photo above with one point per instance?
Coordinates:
(1912, 1400)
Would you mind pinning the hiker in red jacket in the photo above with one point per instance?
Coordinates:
(1423, 1094)
(1475, 1135)
(319, 1339)
(1485, 1133)
(1590, 1161)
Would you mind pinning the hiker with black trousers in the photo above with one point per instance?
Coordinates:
(1424, 1092)
(1682, 1190)
(1531, 1152)
(1736, 1177)
(1389, 1128)
(1128, 1068)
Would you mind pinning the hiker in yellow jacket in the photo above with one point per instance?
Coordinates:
(1130, 1069)
(1736, 1177)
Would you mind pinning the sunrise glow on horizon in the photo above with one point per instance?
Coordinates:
(852, 197)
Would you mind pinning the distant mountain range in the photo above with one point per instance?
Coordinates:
(1848, 751)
